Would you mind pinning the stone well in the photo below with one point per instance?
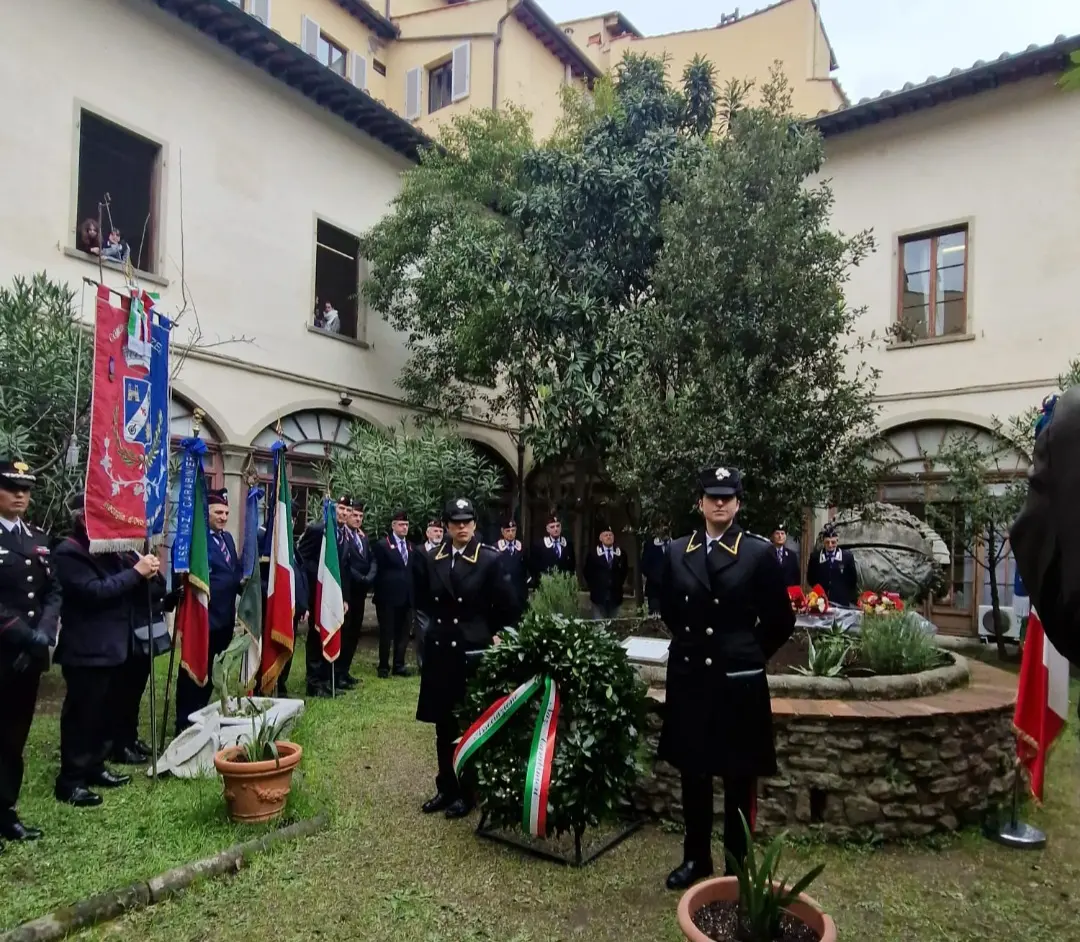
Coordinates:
(872, 768)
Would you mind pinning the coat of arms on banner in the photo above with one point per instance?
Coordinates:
(137, 411)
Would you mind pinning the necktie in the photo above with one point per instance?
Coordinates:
(558, 550)
(779, 555)
(222, 546)
(607, 555)
(403, 551)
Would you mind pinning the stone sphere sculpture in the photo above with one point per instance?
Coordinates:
(894, 550)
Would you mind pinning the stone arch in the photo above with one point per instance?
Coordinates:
(269, 419)
(182, 416)
(909, 449)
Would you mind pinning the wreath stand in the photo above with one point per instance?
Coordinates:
(508, 839)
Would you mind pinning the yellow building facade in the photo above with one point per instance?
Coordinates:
(429, 60)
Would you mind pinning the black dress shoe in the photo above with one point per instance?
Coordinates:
(347, 683)
(352, 680)
(458, 808)
(129, 755)
(107, 779)
(140, 746)
(78, 796)
(402, 672)
(17, 831)
(383, 672)
(319, 693)
(688, 873)
(438, 803)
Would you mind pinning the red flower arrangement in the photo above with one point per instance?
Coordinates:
(816, 602)
(878, 603)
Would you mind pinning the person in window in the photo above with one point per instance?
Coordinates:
(605, 575)
(89, 237)
(723, 598)
(106, 597)
(30, 601)
(554, 553)
(330, 319)
(788, 558)
(394, 594)
(834, 570)
(116, 250)
(226, 579)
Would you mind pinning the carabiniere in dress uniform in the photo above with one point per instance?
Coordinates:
(724, 600)
(29, 614)
(468, 600)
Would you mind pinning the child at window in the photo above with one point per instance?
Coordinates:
(117, 250)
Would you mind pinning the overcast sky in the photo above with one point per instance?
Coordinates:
(880, 44)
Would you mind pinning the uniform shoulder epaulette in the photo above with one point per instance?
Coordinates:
(489, 548)
(756, 536)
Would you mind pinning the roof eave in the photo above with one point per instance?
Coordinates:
(960, 83)
(533, 17)
(256, 43)
(370, 17)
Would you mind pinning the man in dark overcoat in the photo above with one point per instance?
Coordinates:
(833, 568)
(554, 553)
(394, 595)
(786, 556)
(605, 575)
(1046, 535)
(29, 613)
(469, 600)
(361, 575)
(725, 603)
(652, 567)
(512, 554)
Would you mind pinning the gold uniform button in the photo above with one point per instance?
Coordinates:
(455, 621)
(28, 562)
(459, 600)
(708, 662)
(708, 631)
(29, 578)
(29, 614)
(687, 659)
(453, 644)
(29, 595)
(716, 601)
(688, 629)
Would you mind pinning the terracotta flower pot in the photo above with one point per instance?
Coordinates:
(256, 791)
(726, 890)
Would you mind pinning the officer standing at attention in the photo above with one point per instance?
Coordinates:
(724, 599)
(29, 611)
(834, 570)
(512, 554)
(468, 600)
(788, 558)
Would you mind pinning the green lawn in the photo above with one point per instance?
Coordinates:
(384, 871)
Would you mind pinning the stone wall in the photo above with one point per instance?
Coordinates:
(863, 777)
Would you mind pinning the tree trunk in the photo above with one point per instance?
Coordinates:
(522, 513)
(995, 598)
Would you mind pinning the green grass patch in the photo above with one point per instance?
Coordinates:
(384, 871)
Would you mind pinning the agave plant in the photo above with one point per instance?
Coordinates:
(830, 655)
(262, 745)
(763, 896)
(226, 674)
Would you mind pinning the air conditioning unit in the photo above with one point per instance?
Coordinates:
(1009, 619)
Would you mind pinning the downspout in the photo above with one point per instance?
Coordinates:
(495, 58)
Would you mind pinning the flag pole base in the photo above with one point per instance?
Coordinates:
(1016, 834)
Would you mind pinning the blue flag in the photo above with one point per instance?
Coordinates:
(191, 470)
(157, 472)
(277, 450)
(250, 551)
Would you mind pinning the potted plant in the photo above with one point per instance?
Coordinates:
(755, 905)
(258, 772)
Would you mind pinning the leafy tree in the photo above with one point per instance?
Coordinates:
(1070, 78)
(981, 496)
(415, 469)
(750, 353)
(45, 369)
(515, 270)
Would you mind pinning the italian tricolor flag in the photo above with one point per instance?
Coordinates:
(329, 604)
(281, 589)
(193, 613)
(1042, 702)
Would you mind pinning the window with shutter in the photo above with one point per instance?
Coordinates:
(358, 71)
(260, 9)
(309, 36)
(461, 66)
(413, 80)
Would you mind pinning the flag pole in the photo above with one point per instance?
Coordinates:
(1015, 833)
(326, 536)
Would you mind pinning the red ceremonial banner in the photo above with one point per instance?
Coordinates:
(115, 504)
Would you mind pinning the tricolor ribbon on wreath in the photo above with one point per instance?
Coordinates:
(541, 752)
